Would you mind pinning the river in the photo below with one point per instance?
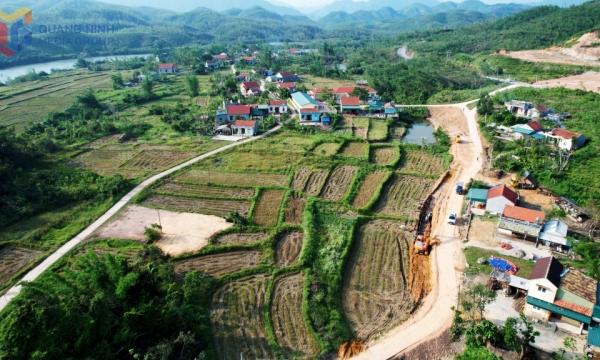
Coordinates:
(15, 71)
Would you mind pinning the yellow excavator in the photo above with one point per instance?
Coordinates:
(457, 139)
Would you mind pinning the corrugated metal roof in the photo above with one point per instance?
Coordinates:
(479, 195)
(594, 335)
(558, 310)
(596, 312)
(556, 227)
(519, 282)
(303, 99)
(565, 295)
(538, 136)
(519, 227)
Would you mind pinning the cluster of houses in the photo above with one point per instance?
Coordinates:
(518, 221)
(242, 120)
(562, 138)
(223, 59)
(353, 105)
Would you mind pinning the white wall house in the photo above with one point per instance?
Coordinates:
(498, 197)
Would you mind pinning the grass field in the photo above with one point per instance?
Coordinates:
(267, 208)
(383, 155)
(402, 195)
(360, 127)
(355, 149)
(419, 162)
(327, 149)
(378, 130)
(524, 267)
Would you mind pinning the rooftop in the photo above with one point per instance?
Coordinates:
(348, 89)
(535, 126)
(285, 74)
(577, 283)
(277, 102)
(573, 307)
(523, 214)
(238, 110)
(564, 134)
(350, 101)
(547, 268)
(479, 195)
(503, 191)
(166, 66)
(286, 85)
(244, 123)
(303, 99)
(250, 84)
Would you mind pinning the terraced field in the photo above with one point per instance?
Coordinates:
(378, 130)
(403, 194)
(241, 238)
(301, 175)
(267, 207)
(356, 149)
(338, 183)
(230, 178)
(383, 155)
(376, 295)
(288, 248)
(367, 189)
(327, 149)
(14, 259)
(156, 160)
(206, 191)
(200, 206)
(315, 182)
(419, 162)
(219, 264)
(293, 209)
(238, 319)
(291, 332)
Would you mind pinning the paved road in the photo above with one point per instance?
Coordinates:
(54, 257)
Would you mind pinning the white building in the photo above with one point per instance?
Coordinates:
(566, 140)
(498, 197)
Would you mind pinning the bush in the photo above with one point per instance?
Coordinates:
(152, 233)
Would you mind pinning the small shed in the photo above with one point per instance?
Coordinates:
(555, 232)
(477, 195)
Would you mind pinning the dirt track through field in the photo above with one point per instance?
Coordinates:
(238, 319)
(291, 331)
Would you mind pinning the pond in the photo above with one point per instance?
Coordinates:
(418, 132)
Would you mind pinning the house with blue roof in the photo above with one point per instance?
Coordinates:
(308, 108)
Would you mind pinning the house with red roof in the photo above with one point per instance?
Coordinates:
(241, 77)
(290, 86)
(250, 60)
(220, 58)
(286, 76)
(250, 88)
(233, 111)
(345, 91)
(350, 104)
(498, 197)
(167, 68)
(295, 51)
(278, 107)
(521, 222)
(566, 140)
(244, 127)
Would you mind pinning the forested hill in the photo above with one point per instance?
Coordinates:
(536, 28)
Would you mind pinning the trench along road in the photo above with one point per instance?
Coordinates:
(68, 246)
(435, 315)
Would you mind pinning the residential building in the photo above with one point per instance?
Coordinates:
(554, 233)
(314, 93)
(250, 88)
(566, 140)
(345, 91)
(376, 106)
(477, 199)
(278, 107)
(263, 72)
(244, 127)
(290, 86)
(530, 129)
(232, 111)
(389, 109)
(498, 197)
(152, 74)
(242, 77)
(212, 64)
(517, 107)
(362, 82)
(350, 104)
(286, 76)
(274, 79)
(538, 112)
(259, 110)
(167, 68)
(295, 51)
(564, 297)
(250, 60)
(517, 220)
(220, 58)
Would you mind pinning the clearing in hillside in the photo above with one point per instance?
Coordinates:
(200, 206)
(155, 160)
(376, 295)
(383, 155)
(288, 248)
(378, 130)
(204, 191)
(315, 182)
(367, 189)
(338, 183)
(327, 149)
(232, 178)
(419, 162)
(219, 264)
(301, 175)
(13, 259)
(267, 207)
(240, 238)
(356, 149)
(291, 331)
(402, 195)
(238, 319)
(293, 209)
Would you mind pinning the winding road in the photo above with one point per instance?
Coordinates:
(54, 257)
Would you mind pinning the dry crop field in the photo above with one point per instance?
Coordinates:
(383, 155)
(367, 189)
(419, 162)
(200, 206)
(293, 209)
(376, 296)
(327, 149)
(315, 182)
(402, 194)
(241, 238)
(360, 127)
(267, 207)
(301, 175)
(338, 183)
(156, 160)
(288, 248)
(204, 191)
(14, 259)
(229, 178)
(356, 149)
(219, 264)
(291, 332)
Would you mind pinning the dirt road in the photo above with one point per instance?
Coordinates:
(54, 257)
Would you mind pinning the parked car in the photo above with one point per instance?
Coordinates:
(452, 219)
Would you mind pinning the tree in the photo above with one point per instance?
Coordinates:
(88, 99)
(485, 105)
(192, 85)
(519, 333)
(147, 85)
(284, 93)
(152, 233)
(589, 252)
(474, 299)
(361, 93)
(81, 63)
(117, 81)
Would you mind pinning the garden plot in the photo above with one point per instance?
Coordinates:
(205, 191)
(200, 206)
(403, 194)
(106, 155)
(378, 130)
(128, 174)
(301, 175)
(155, 160)
(338, 183)
(315, 182)
(384, 155)
(14, 259)
(291, 331)
(367, 189)
(361, 127)
(219, 264)
(238, 319)
(239, 179)
(327, 149)
(267, 207)
(355, 149)
(376, 295)
(288, 248)
(293, 209)
(241, 238)
(182, 232)
(419, 162)
(283, 142)
(103, 141)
